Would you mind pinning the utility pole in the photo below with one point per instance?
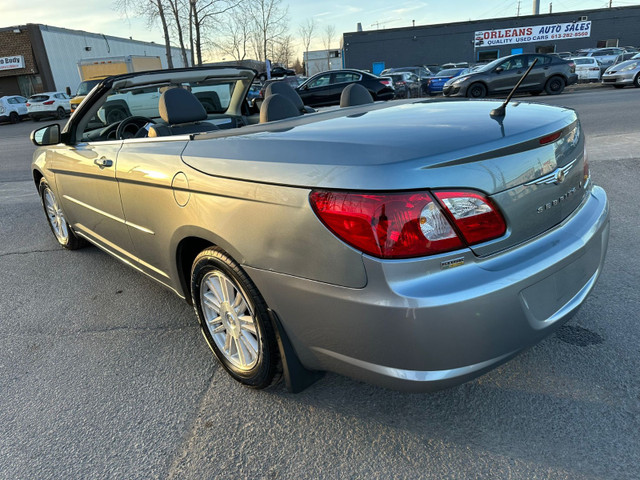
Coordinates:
(518, 14)
(550, 7)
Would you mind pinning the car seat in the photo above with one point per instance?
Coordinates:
(182, 112)
(355, 94)
(283, 88)
(277, 107)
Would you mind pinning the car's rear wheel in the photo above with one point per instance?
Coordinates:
(234, 319)
(636, 81)
(554, 86)
(477, 90)
(14, 117)
(60, 113)
(57, 222)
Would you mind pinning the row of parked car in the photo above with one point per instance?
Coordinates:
(14, 108)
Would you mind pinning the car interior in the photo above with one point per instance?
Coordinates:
(192, 102)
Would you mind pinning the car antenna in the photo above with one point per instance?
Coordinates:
(501, 110)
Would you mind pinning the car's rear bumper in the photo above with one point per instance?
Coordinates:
(413, 331)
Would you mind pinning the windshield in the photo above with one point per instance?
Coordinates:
(491, 65)
(85, 87)
(39, 98)
(213, 95)
(452, 72)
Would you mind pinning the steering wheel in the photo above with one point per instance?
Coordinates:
(130, 127)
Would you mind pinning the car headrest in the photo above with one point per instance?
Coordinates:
(355, 94)
(178, 105)
(283, 88)
(277, 107)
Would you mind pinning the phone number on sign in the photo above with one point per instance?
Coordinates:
(570, 35)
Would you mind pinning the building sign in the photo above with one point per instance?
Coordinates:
(9, 63)
(539, 33)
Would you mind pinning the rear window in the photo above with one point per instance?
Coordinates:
(39, 98)
(452, 72)
(583, 61)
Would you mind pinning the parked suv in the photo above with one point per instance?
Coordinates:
(48, 104)
(13, 108)
(423, 74)
(550, 74)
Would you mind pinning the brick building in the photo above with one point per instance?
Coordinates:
(37, 58)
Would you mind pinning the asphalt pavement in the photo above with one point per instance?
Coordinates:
(104, 374)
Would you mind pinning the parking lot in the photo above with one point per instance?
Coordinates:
(104, 374)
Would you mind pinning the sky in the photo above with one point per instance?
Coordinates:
(101, 16)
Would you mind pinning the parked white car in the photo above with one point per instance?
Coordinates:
(13, 108)
(48, 104)
(587, 68)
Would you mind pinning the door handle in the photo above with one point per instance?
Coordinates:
(103, 162)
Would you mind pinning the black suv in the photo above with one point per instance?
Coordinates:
(277, 72)
(550, 74)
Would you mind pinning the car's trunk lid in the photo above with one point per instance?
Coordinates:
(433, 145)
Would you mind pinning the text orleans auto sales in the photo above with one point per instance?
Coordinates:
(559, 31)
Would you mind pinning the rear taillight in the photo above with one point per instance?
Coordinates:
(550, 138)
(28, 104)
(405, 225)
(386, 83)
(50, 102)
(474, 215)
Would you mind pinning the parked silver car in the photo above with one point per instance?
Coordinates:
(623, 74)
(414, 245)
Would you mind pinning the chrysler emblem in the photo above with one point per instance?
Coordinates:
(559, 177)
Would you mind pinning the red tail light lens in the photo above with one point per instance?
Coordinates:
(475, 216)
(401, 225)
(28, 104)
(50, 102)
(550, 138)
(406, 225)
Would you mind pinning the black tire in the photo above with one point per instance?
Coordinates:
(63, 232)
(477, 90)
(253, 340)
(554, 86)
(636, 81)
(536, 92)
(14, 117)
(60, 113)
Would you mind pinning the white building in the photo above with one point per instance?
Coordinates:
(322, 60)
(48, 56)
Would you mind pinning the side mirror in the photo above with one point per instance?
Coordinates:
(49, 135)
(499, 69)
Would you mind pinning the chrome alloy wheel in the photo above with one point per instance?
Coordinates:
(230, 320)
(55, 216)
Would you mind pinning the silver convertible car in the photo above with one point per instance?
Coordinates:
(412, 244)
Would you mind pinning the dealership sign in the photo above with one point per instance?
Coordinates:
(539, 33)
(9, 63)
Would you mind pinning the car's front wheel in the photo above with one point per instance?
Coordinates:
(14, 117)
(60, 113)
(554, 86)
(477, 90)
(55, 216)
(234, 319)
(636, 81)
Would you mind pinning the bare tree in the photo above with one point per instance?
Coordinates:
(177, 9)
(329, 33)
(270, 20)
(152, 10)
(306, 34)
(283, 50)
(235, 35)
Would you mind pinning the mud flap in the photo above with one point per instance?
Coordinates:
(296, 376)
